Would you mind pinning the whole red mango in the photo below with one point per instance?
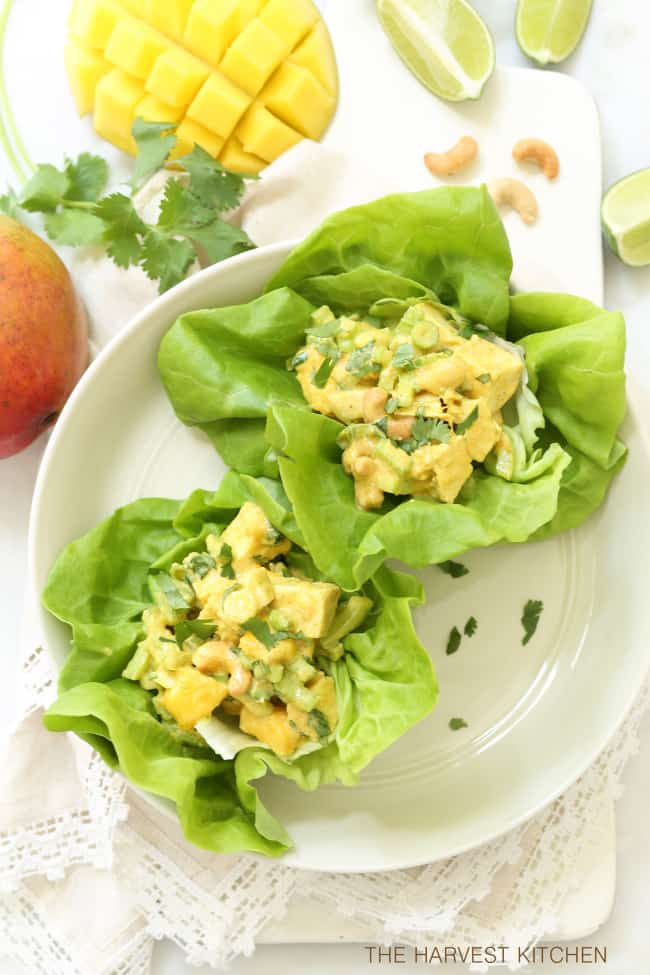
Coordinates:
(43, 336)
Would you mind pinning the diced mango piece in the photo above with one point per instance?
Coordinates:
(316, 55)
(289, 19)
(135, 48)
(92, 22)
(219, 105)
(264, 135)
(308, 606)
(151, 109)
(190, 133)
(253, 57)
(176, 77)
(233, 157)
(168, 16)
(211, 28)
(249, 534)
(193, 696)
(116, 98)
(325, 690)
(246, 10)
(84, 69)
(273, 729)
(298, 99)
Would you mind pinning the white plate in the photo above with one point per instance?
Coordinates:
(537, 715)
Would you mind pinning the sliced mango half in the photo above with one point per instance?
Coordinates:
(244, 79)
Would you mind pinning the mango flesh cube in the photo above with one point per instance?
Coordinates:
(116, 98)
(289, 19)
(190, 133)
(298, 99)
(253, 57)
(84, 69)
(233, 157)
(264, 135)
(219, 105)
(211, 28)
(135, 48)
(151, 109)
(168, 16)
(316, 55)
(176, 77)
(92, 23)
(244, 79)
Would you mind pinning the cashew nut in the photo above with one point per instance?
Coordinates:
(363, 467)
(400, 427)
(451, 162)
(240, 681)
(373, 404)
(539, 152)
(515, 194)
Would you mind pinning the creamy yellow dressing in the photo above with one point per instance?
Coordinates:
(237, 632)
(421, 399)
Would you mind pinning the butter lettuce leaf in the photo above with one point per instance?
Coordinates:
(98, 586)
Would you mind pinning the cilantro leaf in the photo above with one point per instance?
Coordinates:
(469, 329)
(180, 210)
(201, 564)
(469, 421)
(87, 177)
(471, 626)
(166, 259)
(225, 558)
(324, 372)
(76, 228)
(455, 724)
(155, 141)
(124, 228)
(530, 618)
(453, 642)
(220, 240)
(425, 430)
(263, 632)
(201, 628)
(404, 356)
(45, 190)
(453, 569)
(484, 378)
(9, 204)
(213, 184)
(360, 362)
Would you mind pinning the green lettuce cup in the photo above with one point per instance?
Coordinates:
(535, 454)
(192, 701)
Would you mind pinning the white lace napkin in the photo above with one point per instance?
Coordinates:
(90, 873)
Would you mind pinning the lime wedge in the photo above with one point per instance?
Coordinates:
(625, 216)
(549, 30)
(443, 42)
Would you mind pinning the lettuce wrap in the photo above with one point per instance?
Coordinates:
(98, 586)
(225, 371)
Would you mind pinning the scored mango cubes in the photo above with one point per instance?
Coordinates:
(244, 79)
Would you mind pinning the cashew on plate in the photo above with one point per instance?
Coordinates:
(537, 151)
(516, 195)
(458, 157)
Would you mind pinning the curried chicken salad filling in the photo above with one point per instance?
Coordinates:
(237, 631)
(421, 395)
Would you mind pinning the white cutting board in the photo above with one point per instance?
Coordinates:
(387, 119)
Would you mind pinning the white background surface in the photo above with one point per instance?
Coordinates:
(613, 62)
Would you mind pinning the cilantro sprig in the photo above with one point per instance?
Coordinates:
(77, 211)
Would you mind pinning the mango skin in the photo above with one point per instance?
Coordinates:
(43, 336)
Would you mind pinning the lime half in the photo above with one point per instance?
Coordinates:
(443, 42)
(548, 31)
(626, 218)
